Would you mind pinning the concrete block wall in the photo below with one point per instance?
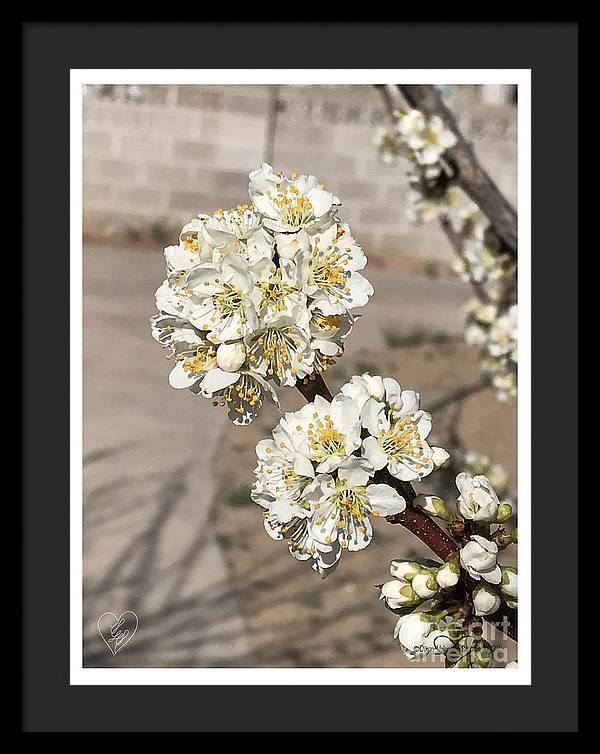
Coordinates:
(155, 156)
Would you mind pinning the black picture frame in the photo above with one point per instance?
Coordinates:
(50, 49)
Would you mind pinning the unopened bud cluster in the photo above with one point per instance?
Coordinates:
(470, 585)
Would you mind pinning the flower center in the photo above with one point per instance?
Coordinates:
(325, 440)
(190, 243)
(229, 300)
(239, 222)
(327, 269)
(294, 209)
(202, 361)
(351, 501)
(433, 136)
(243, 394)
(298, 536)
(472, 503)
(276, 348)
(274, 292)
(282, 477)
(353, 510)
(326, 322)
(402, 439)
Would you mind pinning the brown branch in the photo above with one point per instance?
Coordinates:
(468, 173)
(457, 241)
(413, 519)
(310, 388)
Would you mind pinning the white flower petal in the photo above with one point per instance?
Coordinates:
(373, 417)
(216, 380)
(179, 378)
(385, 500)
(321, 201)
(493, 577)
(393, 392)
(303, 466)
(372, 451)
(439, 456)
(355, 471)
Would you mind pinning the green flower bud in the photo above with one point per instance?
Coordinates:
(424, 584)
(504, 513)
(398, 594)
(404, 569)
(470, 653)
(486, 599)
(482, 654)
(459, 656)
(463, 661)
(448, 575)
(433, 506)
(508, 585)
(455, 630)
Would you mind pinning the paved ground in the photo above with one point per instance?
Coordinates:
(149, 543)
(149, 537)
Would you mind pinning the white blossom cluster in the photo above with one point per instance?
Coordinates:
(491, 321)
(316, 475)
(260, 296)
(415, 137)
(423, 142)
(495, 333)
(482, 261)
(424, 593)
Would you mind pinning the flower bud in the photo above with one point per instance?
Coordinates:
(433, 506)
(459, 656)
(482, 654)
(404, 569)
(231, 356)
(478, 558)
(448, 575)
(411, 631)
(504, 513)
(478, 500)
(424, 584)
(486, 599)
(398, 594)
(439, 641)
(509, 585)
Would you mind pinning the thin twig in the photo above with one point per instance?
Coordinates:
(458, 395)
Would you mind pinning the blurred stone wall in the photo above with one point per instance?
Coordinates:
(155, 156)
